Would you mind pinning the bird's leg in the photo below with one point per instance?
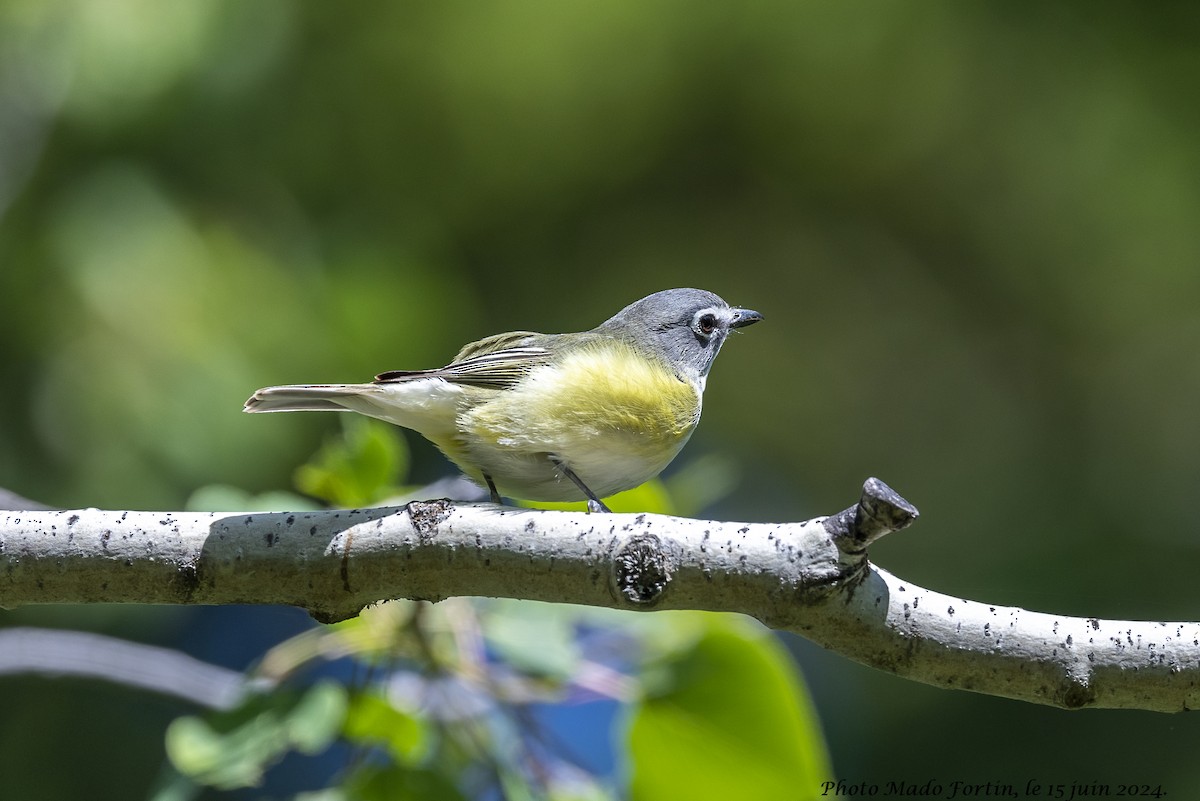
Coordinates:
(492, 489)
(594, 504)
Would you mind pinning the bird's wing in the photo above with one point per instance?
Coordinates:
(490, 369)
(494, 343)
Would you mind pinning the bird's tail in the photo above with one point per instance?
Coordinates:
(308, 398)
(428, 406)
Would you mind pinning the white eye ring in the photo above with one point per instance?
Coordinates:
(705, 322)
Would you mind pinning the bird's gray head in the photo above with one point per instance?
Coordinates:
(684, 326)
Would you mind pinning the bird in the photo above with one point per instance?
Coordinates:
(553, 417)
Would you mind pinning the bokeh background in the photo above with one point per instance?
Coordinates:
(973, 229)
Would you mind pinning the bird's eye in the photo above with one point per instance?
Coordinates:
(706, 323)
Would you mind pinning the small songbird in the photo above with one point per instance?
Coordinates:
(554, 417)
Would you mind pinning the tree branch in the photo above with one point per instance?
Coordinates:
(812, 578)
(146, 667)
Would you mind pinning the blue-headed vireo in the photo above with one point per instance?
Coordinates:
(552, 417)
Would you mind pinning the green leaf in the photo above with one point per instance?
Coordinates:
(233, 749)
(371, 719)
(514, 786)
(649, 497)
(578, 786)
(535, 638)
(394, 783)
(360, 468)
(731, 719)
(224, 498)
(223, 759)
(317, 719)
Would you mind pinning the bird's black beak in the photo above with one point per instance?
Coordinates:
(744, 317)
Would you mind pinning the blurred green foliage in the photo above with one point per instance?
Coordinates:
(971, 228)
(712, 703)
(727, 721)
(232, 749)
(358, 469)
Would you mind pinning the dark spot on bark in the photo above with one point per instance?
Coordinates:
(344, 567)
(642, 569)
(1077, 694)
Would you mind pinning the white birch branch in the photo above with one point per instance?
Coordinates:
(812, 578)
(146, 667)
